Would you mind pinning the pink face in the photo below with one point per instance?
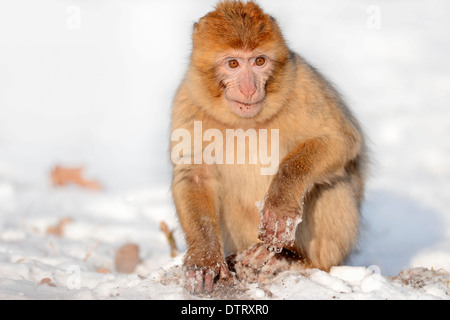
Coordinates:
(244, 75)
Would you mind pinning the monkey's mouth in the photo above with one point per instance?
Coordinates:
(245, 110)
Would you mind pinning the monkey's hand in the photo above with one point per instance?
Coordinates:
(278, 226)
(258, 264)
(200, 273)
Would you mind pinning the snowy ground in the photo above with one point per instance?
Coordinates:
(90, 83)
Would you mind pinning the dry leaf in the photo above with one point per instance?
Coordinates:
(58, 230)
(63, 176)
(103, 270)
(47, 281)
(127, 258)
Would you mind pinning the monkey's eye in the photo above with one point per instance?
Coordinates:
(260, 61)
(233, 64)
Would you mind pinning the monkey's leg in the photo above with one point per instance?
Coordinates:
(330, 223)
(195, 201)
(313, 162)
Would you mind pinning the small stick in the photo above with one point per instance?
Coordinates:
(88, 255)
(170, 239)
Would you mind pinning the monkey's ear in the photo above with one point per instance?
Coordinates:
(195, 27)
(272, 19)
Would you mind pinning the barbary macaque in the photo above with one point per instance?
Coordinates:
(244, 84)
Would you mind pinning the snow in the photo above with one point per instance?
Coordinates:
(91, 83)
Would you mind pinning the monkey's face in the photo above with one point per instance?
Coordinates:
(244, 75)
(239, 71)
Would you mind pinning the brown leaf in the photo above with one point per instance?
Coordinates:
(47, 281)
(103, 270)
(63, 176)
(127, 258)
(58, 229)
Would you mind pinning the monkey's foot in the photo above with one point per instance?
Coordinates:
(201, 279)
(257, 263)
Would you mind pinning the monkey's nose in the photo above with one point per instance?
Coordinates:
(248, 92)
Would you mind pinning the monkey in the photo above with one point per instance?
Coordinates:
(242, 75)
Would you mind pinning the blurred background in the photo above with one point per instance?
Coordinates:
(90, 83)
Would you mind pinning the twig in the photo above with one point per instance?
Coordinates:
(170, 239)
(92, 251)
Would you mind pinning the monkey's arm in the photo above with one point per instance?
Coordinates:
(193, 191)
(314, 161)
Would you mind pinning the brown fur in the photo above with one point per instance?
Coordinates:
(321, 147)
